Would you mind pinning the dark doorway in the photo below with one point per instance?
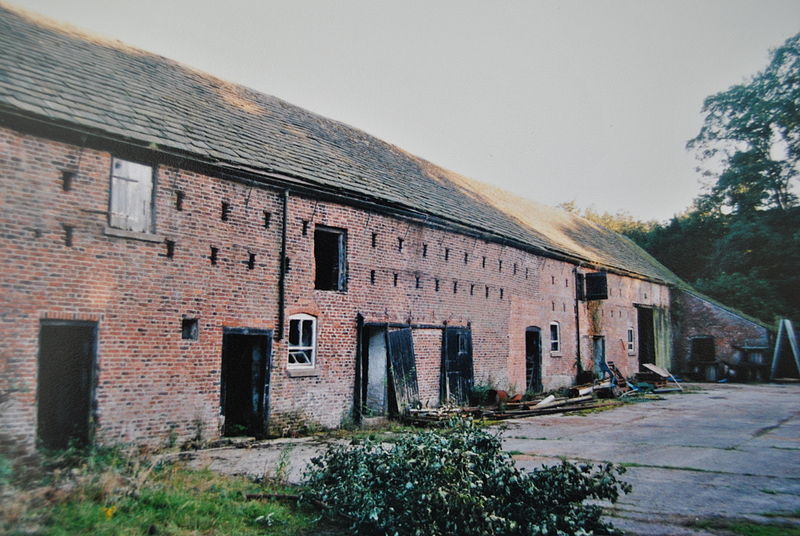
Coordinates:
(599, 354)
(457, 373)
(533, 360)
(245, 381)
(647, 345)
(66, 383)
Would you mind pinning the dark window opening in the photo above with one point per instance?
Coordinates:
(170, 246)
(526, 273)
(501, 294)
(424, 250)
(190, 329)
(267, 218)
(446, 254)
(596, 286)
(67, 178)
(455, 287)
(214, 255)
(372, 277)
(330, 258)
(287, 265)
(395, 279)
(69, 233)
(400, 245)
(472, 290)
(566, 283)
(251, 261)
(499, 266)
(702, 350)
(553, 305)
(515, 269)
(466, 258)
(418, 283)
(226, 211)
(487, 292)
(179, 196)
(552, 280)
(436, 285)
(305, 227)
(374, 239)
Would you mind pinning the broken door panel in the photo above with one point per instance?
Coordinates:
(245, 381)
(533, 360)
(65, 389)
(376, 365)
(403, 367)
(457, 370)
(662, 337)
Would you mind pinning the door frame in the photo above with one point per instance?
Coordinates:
(539, 361)
(93, 371)
(264, 400)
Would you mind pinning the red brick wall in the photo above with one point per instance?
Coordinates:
(699, 317)
(150, 381)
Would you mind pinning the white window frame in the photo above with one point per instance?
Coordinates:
(311, 350)
(555, 343)
(631, 341)
(130, 203)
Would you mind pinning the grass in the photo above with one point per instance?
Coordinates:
(744, 527)
(142, 499)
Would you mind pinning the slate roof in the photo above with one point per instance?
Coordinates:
(64, 75)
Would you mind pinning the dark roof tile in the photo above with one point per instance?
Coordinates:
(70, 76)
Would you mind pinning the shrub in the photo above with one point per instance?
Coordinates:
(457, 481)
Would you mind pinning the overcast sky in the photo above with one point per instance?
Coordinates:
(591, 101)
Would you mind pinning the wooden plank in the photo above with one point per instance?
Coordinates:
(402, 360)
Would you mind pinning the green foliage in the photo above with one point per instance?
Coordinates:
(750, 139)
(457, 481)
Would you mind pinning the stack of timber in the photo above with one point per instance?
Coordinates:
(440, 415)
(546, 406)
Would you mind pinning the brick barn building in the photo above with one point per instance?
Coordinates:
(185, 256)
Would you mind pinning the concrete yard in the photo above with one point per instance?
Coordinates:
(729, 450)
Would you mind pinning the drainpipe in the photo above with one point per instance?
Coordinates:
(577, 321)
(282, 270)
(357, 394)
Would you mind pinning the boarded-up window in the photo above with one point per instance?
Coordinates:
(596, 286)
(330, 258)
(131, 196)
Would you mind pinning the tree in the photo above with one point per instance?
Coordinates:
(750, 139)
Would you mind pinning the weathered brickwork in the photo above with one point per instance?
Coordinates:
(152, 383)
(702, 318)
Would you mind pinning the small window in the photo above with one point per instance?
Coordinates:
(555, 338)
(302, 340)
(330, 257)
(190, 329)
(131, 196)
(631, 341)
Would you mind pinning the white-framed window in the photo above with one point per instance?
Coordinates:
(631, 342)
(131, 198)
(302, 340)
(555, 338)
